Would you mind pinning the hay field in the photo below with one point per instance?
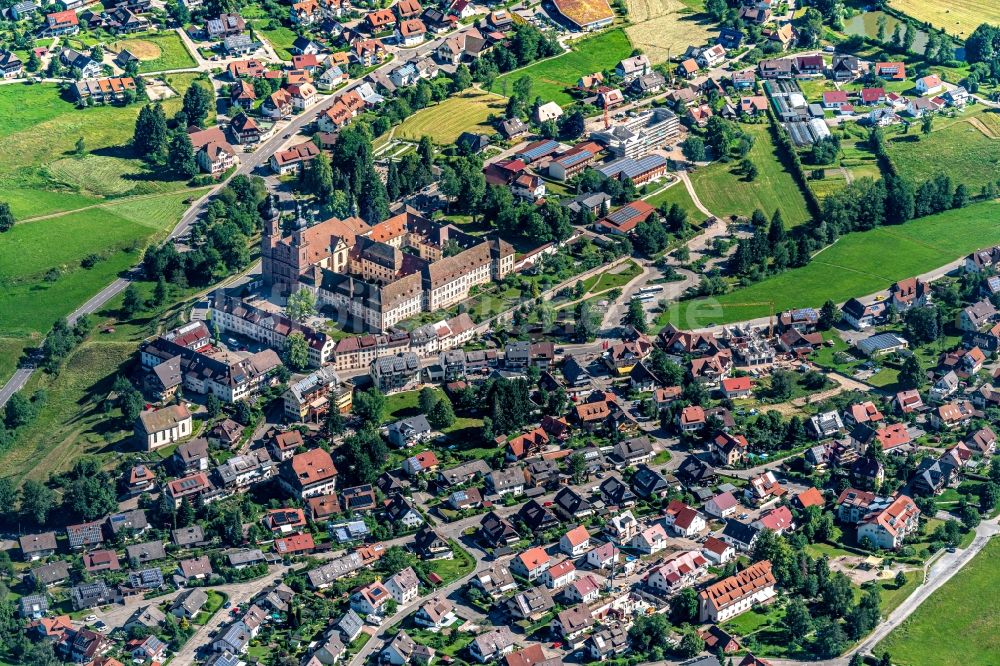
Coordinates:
(663, 28)
(955, 18)
(144, 49)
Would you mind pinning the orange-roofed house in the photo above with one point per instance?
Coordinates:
(737, 594)
(664, 396)
(309, 474)
(810, 497)
(531, 564)
(408, 8)
(894, 436)
(62, 23)
(295, 544)
(575, 542)
(953, 414)
(893, 71)
(410, 32)
(528, 445)
(888, 528)
(929, 85)
(729, 449)
(529, 656)
(763, 489)
(592, 415)
(284, 521)
(427, 461)
(691, 419)
(736, 387)
(864, 412)
(380, 20)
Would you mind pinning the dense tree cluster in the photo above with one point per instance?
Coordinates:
(507, 404)
(354, 174)
(525, 44)
(727, 139)
(412, 172)
(220, 238)
(364, 455)
(769, 249)
(61, 340)
(6, 217)
(463, 182)
(542, 224)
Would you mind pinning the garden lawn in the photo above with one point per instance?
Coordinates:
(552, 77)
(958, 148)
(212, 606)
(445, 121)
(754, 620)
(157, 51)
(281, 39)
(949, 627)
(724, 192)
(955, 18)
(451, 570)
(40, 260)
(893, 596)
(403, 405)
(618, 276)
(677, 194)
(856, 265)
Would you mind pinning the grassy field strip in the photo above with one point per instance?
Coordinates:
(445, 121)
(71, 423)
(856, 265)
(39, 178)
(107, 204)
(43, 279)
(726, 193)
(852, 270)
(946, 629)
(961, 149)
(553, 76)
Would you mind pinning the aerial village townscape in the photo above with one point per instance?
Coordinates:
(538, 332)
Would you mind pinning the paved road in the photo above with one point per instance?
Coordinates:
(15, 384)
(249, 164)
(939, 573)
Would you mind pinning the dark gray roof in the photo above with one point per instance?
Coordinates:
(740, 532)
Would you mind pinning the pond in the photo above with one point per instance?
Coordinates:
(866, 24)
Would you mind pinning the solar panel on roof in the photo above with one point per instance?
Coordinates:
(543, 148)
(575, 158)
(623, 213)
